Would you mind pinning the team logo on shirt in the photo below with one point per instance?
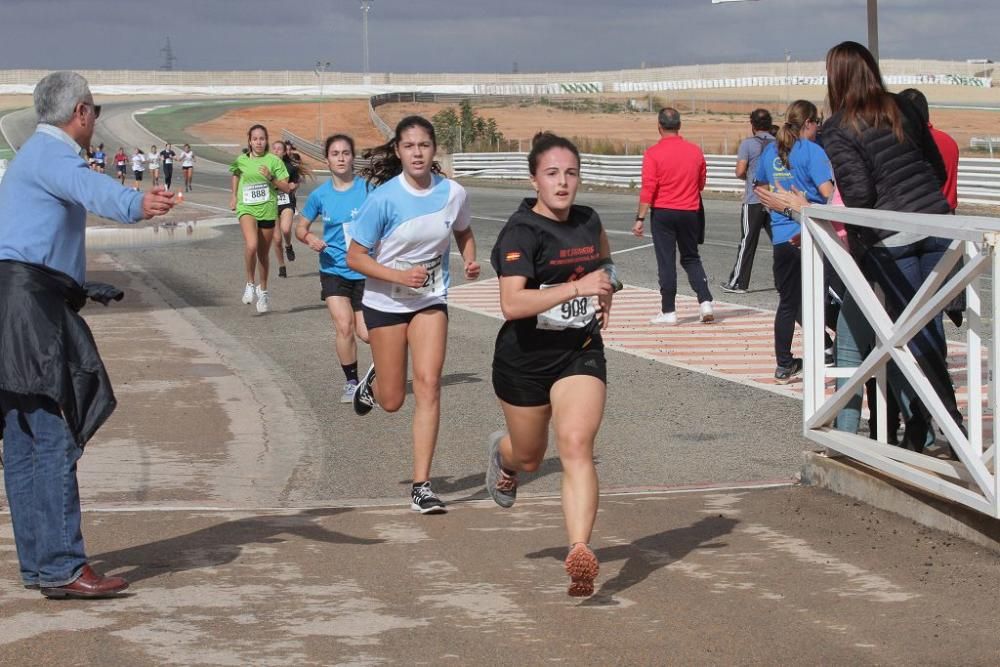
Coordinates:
(512, 256)
(354, 213)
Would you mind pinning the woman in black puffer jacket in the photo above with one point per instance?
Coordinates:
(884, 158)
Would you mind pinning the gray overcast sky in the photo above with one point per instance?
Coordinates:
(476, 35)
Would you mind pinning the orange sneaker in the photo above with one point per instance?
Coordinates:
(582, 568)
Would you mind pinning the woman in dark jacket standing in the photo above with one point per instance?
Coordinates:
(884, 158)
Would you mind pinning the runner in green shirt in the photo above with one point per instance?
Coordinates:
(258, 175)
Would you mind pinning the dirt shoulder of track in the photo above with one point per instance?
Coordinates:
(716, 123)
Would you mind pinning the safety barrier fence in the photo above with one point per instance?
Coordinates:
(978, 178)
(972, 479)
(680, 77)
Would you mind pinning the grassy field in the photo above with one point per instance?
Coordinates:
(6, 152)
(171, 123)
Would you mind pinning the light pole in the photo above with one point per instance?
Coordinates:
(366, 6)
(873, 28)
(872, 23)
(318, 71)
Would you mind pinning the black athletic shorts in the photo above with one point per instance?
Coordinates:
(121, 168)
(530, 390)
(138, 175)
(265, 224)
(377, 318)
(334, 285)
(284, 207)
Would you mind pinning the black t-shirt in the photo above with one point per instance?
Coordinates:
(548, 252)
(294, 176)
(168, 157)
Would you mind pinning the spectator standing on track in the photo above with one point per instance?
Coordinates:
(946, 145)
(54, 391)
(153, 163)
(793, 162)
(167, 156)
(673, 176)
(138, 166)
(885, 158)
(753, 215)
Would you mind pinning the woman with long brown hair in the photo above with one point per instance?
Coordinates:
(401, 241)
(258, 176)
(885, 158)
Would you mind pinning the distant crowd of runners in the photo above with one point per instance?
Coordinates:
(139, 162)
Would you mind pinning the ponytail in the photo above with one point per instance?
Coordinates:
(796, 115)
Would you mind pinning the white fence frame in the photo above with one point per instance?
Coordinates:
(973, 479)
(978, 178)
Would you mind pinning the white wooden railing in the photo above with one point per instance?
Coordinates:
(972, 480)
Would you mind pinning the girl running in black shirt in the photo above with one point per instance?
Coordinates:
(548, 365)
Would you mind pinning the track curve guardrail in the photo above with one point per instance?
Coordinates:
(978, 178)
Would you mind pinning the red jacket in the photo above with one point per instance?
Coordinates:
(673, 174)
(949, 153)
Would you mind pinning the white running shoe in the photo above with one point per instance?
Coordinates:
(665, 318)
(350, 387)
(263, 301)
(249, 292)
(707, 312)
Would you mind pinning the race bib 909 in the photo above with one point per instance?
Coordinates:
(573, 314)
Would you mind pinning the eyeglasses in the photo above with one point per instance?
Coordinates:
(95, 107)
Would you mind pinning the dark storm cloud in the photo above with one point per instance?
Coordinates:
(475, 35)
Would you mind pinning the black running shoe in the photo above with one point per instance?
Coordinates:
(290, 253)
(784, 374)
(425, 501)
(364, 400)
(282, 272)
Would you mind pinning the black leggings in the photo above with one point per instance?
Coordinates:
(168, 173)
(788, 282)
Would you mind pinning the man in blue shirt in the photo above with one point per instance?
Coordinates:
(754, 215)
(54, 391)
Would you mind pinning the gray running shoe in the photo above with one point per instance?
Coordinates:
(350, 387)
(501, 486)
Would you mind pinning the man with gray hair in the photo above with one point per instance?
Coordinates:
(673, 176)
(54, 391)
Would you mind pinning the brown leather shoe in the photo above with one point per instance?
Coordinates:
(89, 585)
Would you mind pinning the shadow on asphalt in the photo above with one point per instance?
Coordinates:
(220, 544)
(649, 554)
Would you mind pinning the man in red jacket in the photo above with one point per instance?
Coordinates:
(673, 176)
(947, 146)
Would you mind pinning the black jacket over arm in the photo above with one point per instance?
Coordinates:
(47, 349)
(875, 170)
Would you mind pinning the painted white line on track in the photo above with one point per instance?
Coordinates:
(638, 247)
(373, 503)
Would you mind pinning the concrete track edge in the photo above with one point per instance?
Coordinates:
(849, 478)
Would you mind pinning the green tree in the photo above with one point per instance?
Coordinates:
(446, 127)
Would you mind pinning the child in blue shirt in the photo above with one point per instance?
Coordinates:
(338, 202)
